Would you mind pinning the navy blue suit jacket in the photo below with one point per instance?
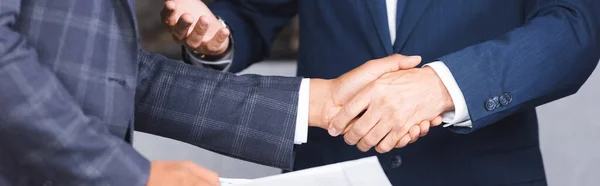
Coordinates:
(536, 51)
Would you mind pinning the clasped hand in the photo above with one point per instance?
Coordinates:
(385, 103)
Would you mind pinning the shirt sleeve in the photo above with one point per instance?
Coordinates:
(301, 134)
(222, 64)
(459, 117)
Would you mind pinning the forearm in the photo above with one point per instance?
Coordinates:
(45, 130)
(546, 59)
(248, 117)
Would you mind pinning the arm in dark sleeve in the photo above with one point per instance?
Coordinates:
(249, 117)
(44, 129)
(254, 25)
(548, 58)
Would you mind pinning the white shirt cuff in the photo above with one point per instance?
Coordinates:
(225, 60)
(301, 134)
(460, 116)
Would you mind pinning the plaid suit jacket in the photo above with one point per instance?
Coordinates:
(73, 78)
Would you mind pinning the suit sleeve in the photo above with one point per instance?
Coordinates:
(548, 58)
(254, 25)
(248, 117)
(45, 130)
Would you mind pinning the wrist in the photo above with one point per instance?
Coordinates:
(217, 55)
(320, 93)
(446, 103)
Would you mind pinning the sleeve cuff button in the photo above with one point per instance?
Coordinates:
(491, 104)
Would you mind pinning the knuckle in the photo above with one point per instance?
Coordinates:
(191, 43)
(377, 135)
(370, 140)
(362, 147)
(211, 47)
(422, 134)
(359, 131)
(414, 134)
(383, 148)
(348, 140)
(417, 129)
(401, 144)
(414, 140)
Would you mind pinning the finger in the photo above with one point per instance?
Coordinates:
(395, 135)
(436, 121)
(388, 142)
(169, 13)
(424, 126)
(218, 42)
(349, 126)
(394, 63)
(195, 39)
(404, 62)
(376, 135)
(403, 142)
(180, 31)
(362, 126)
(373, 69)
(353, 108)
(414, 133)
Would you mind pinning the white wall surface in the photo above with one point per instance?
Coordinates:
(569, 133)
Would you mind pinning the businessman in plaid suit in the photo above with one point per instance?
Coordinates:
(73, 78)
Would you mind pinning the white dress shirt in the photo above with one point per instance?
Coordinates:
(459, 117)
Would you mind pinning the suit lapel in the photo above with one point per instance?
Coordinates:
(378, 13)
(412, 13)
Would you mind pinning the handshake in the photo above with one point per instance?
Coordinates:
(385, 103)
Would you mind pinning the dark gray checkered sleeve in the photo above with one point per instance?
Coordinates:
(248, 117)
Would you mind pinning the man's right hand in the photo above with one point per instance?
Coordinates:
(181, 173)
(192, 24)
(327, 97)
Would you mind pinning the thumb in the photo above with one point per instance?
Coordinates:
(408, 62)
(393, 63)
(399, 62)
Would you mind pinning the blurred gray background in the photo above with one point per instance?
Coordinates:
(569, 128)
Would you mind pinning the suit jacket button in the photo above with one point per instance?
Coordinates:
(491, 104)
(396, 162)
(505, 99)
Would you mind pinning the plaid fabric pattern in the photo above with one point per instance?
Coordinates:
(248, 117)
(69, 75)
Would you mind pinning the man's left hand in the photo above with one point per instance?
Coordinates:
(394, 103)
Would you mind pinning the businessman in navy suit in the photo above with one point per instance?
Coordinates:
(497, 60)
